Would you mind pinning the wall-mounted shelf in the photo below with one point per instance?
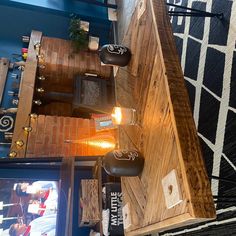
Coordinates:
(26, 95)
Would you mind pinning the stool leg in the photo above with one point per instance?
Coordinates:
(223, 179)
(221, 199)
(224, 201)
(193, 12)
(226, 197)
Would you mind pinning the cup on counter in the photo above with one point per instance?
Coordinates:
(124, 116)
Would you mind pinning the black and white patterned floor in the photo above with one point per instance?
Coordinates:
(208, 57)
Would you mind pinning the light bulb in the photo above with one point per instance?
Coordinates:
(12, 154)
(37, 45)
(41, 77)
(40, 90)
(37, 102)
(124, 116)
(27, 128)
(33, 116)
(41, 66)
(19, 143)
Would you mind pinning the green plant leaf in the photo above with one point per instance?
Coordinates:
(78, 36)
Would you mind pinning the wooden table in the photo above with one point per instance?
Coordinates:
(153, 84)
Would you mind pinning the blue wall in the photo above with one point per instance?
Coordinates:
(64, 7)
(15, 22)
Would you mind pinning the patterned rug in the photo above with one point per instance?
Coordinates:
(208, 57)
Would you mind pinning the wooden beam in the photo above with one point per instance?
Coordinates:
(175, 222)
(187, 142)
(26, 96)
(4, 64)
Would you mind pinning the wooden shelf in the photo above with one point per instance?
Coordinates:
(26, 96)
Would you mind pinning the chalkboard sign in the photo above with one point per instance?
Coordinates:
(113, 202)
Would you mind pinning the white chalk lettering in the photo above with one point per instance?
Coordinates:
(113, 220)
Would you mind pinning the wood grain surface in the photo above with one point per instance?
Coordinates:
(90, 203)
(26, 96)
(4, 63)
(165, 133)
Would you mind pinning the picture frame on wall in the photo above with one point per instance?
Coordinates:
(36, 196)
(28, 205)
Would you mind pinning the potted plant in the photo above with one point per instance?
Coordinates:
(78, 33)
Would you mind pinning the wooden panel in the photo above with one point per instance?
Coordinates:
(135, 192)
(153, 84)
(26, 96)
(89, 200)
(4, 63)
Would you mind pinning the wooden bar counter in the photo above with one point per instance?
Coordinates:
(153, 84)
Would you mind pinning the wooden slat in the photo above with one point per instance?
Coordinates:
(137, 213)
(195, 177)
(153, 84)
(178, 221)
(138, 191)
(4, 64)
(26, 96)
(89, 196)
